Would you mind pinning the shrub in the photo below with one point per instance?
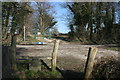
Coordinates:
(107, 68)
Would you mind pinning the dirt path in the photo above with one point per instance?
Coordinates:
(71, 57)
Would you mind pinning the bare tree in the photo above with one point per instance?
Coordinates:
(45, 20)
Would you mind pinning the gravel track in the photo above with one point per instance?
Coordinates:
(69, 57)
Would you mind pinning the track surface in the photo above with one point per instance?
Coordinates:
(70, 56)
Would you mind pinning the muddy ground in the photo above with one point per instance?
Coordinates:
(71, 57)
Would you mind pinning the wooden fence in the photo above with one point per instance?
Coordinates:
(29, 59)
(88, 67)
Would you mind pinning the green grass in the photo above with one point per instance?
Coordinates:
(41, 74)
(30, 73)
(54, 74)
(44, 73)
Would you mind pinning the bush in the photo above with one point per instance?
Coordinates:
(107, 68)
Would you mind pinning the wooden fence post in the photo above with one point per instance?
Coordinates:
(54, 55)
(24, 33)
(90, 62)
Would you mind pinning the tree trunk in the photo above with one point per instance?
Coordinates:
(13, 52)
(6, 26)
(91, 22)
(91, 31)
(13, 42)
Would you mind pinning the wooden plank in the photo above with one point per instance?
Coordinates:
(31, 58)
(54, 55)
(90, 62)
(34, 63)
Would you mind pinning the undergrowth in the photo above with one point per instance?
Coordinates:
(107, 68)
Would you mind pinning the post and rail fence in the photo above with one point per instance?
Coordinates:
(89, 63)
(53, 58)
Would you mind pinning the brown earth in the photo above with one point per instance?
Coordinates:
(71, 58)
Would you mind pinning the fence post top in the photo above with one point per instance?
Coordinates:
(93, 47)
(57, 41)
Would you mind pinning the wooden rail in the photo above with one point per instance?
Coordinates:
(29, 59)
(32, 58)
(88, 67)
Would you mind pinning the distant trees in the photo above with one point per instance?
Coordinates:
(21, 10)
(72, 32)
(94, 22)
(45, 20)
(54, 31)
